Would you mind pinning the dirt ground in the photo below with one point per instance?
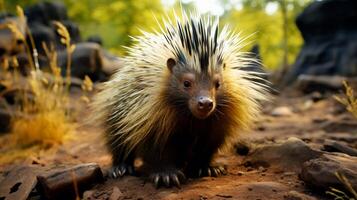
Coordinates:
(311, 119)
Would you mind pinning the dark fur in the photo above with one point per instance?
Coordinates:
(192, 144)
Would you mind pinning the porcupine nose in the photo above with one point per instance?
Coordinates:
(205, 104)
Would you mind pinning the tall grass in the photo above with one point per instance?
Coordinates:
(42, 116)
(66, 40)
(340, 195)
(349, 99)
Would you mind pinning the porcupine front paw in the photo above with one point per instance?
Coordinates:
(212, 171)
(168, 178)
(120, 170)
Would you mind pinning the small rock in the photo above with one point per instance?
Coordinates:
(346, 137)
(320, 172)
(294, 195)
(249, 169)
(288, 155)
(12, 95)
(281, 111)
(10, 43)
(289, 173)
(242, 148)
(116, 194)
(226, 196)
(5, 119)
(321, 83)
(87, 59)
(240, 173)
(111, 63)
(319, 120)
(18, 183)
(88, 195)
(316, 96)
(307, 105)
(334, 146)
(261, 128)
(60, 184)
(262, 169)
(338, 126)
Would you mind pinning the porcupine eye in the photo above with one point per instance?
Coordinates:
(187, 84)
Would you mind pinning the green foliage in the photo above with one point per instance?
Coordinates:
(268, 29)
(10, 5)
(115, 21)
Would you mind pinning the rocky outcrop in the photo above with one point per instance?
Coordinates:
(60, 182)
(321, 172)
(88, 58)
(288, 155)
(329, 29)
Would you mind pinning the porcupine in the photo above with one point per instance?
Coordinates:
(181, 94)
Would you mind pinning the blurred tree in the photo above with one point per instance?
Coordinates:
(10, 5)
(275, 32)
(114, 21)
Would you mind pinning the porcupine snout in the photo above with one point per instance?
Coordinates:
(205, 104)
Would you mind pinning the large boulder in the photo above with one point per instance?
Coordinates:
(40, 21)
(46, 12)
(10, 43)
(329, 29)
(321, 172)
(87, 59)
(286, 155)
(5, 120)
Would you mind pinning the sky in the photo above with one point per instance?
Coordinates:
(216, 8)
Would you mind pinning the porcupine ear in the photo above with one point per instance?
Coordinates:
(170, 63)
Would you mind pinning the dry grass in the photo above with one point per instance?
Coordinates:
(42, 117)
(44, 120)
(66, 40)
(349, 100)
(87, 86)
(340, 195)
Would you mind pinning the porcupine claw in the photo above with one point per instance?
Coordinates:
(212, 171)
(168, 178)
(199, 172)
(208, 171)
(222, 170)
(156, 180)
(215, 172)
(175, 180)
(121, 170)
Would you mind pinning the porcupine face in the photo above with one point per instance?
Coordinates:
(195, 91)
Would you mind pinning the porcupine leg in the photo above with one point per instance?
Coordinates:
(200, 164)
(165, 165)
(122, 166)
(123, 163)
